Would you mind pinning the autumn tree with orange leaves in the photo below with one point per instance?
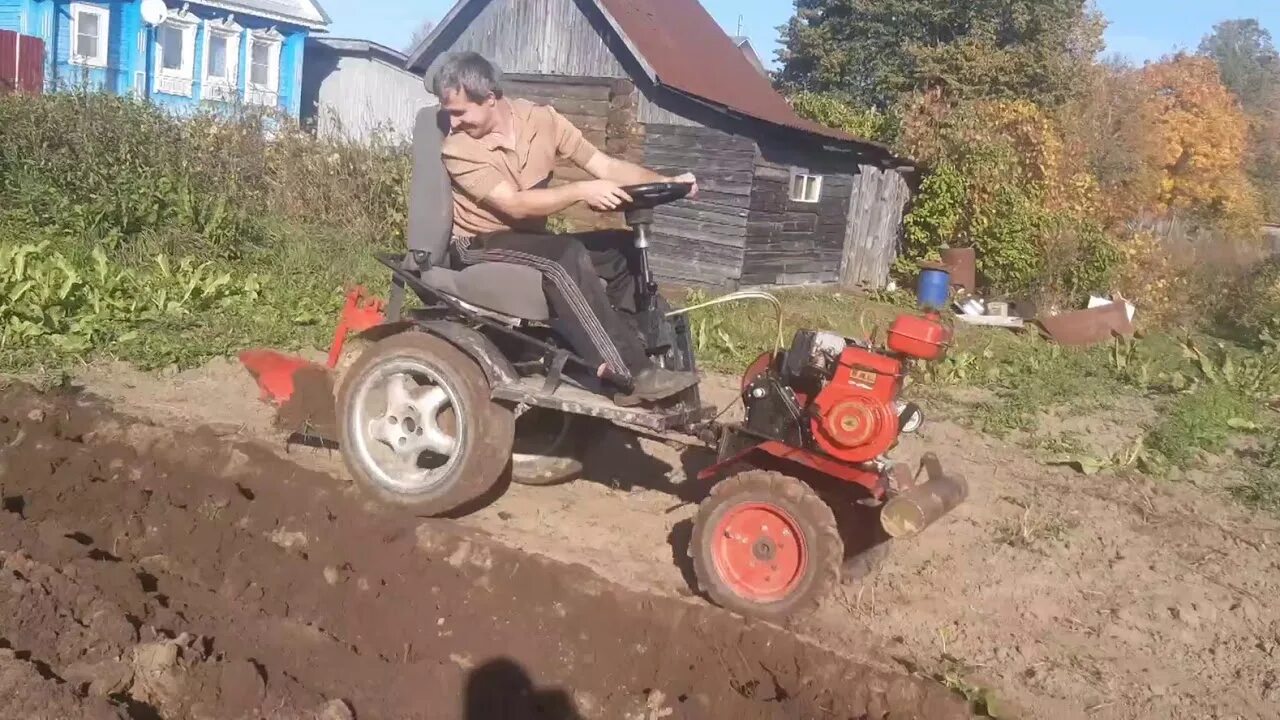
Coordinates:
(1202, 137)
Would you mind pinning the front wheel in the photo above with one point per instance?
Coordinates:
(417, 426)
(765, 545)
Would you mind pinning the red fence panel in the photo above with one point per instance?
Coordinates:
(21, 63)
(30, 65)
(8, 61)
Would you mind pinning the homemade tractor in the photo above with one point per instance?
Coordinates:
(448, 397)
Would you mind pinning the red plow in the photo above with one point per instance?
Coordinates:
(275, 371)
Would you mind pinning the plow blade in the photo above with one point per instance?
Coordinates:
(276, 373)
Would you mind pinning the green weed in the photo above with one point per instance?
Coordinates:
(1202, 420)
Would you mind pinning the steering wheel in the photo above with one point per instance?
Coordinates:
(650, 195)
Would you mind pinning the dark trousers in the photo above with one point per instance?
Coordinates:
(572, 267)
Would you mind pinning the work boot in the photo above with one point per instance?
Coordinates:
(654, 383)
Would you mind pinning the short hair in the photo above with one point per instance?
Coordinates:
(470, 73)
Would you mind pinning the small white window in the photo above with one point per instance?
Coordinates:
(805, 188)
(90, 26)
(264, 67)
(221, 60)
(176, 54)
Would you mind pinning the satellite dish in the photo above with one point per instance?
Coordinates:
(154, 12)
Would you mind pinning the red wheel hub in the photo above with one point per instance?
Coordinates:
(759, 551)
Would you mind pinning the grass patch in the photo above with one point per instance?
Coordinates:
(1259, 491)
(1201, 421)
(67, 305)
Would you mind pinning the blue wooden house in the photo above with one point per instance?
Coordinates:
(219, 51)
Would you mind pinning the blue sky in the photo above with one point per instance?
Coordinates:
(1140, 29)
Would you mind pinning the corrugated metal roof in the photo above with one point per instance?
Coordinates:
(304, 12)
(689, 51)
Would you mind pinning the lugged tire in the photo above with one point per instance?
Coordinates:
(814, 519)
(491, 427)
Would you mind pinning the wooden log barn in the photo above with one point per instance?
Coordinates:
(784, 201)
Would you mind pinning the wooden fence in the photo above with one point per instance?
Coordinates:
(21, 63)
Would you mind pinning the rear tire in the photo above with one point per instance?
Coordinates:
(481, 430)
(765, 545)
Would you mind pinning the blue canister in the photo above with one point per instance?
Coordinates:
(934, 288)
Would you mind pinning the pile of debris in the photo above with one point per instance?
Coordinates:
(1101, 320)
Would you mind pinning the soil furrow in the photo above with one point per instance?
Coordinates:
(185, 577)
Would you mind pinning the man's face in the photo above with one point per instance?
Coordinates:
(476, 119)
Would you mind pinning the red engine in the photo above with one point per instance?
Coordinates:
(855, 418)
(839, 396)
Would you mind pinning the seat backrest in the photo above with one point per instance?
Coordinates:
(430, 193)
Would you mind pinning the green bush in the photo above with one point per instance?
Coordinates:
(118, 172)
(836, 112)
(132, 233)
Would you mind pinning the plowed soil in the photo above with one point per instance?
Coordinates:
(173, 571)
(1063, 596)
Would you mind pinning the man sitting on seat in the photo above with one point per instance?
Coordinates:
(499, 154)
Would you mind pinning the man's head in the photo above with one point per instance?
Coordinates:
(469, 88)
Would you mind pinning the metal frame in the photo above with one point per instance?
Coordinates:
(452, 320)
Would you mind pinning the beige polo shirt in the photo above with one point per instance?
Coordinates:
(476, 167)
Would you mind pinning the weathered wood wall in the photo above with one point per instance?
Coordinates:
(879, 200)
(357, 95)
(795, 243)
(537, 37)
(700, 242)
(604, 110)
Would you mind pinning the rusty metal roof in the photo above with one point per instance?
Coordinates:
(683, 49)
(687, 50)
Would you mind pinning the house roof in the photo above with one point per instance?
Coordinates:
(682, 48)
(354, 46)
(307, 13)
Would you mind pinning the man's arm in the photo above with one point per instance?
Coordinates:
(541, 202)
(573, 146)
(622, 172)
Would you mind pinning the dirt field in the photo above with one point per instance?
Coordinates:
(151, 571)
(1065, 596)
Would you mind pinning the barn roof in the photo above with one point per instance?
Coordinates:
(682, 48)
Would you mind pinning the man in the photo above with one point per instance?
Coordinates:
(499, 154)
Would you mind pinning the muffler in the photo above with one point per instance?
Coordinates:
(920, 506)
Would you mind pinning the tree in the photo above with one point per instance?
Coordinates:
(423, 31)
(1249, 65)
(1203, 137)
(1246, 57)
(1109, 127)
(872, 51)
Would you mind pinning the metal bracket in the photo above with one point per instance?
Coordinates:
(555, 371)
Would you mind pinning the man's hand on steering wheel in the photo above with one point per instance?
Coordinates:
(603, 195)
(687, 178)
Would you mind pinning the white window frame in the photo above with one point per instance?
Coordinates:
(811, 183)
(256, 93)
(104, 34)
(178, 81)
(222, 88)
